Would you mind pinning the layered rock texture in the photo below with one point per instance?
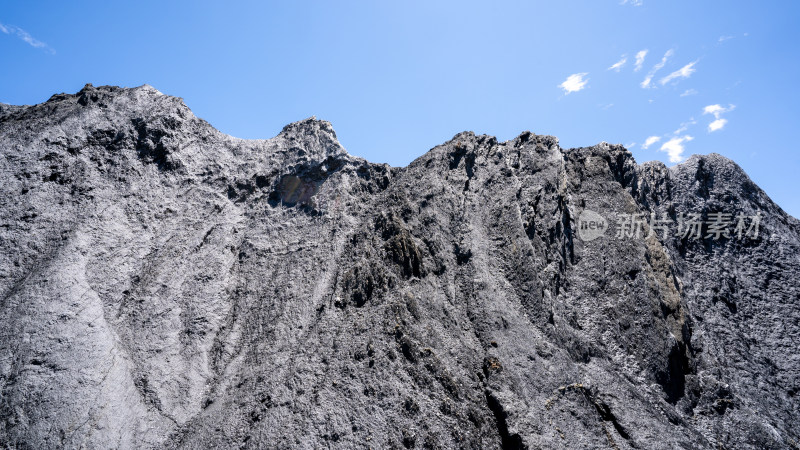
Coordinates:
(164, 285)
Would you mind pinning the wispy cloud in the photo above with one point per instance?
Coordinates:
(689, 92)
(675, 148)
(646, 82)
(684, 126)
(25, 36)
(631, 2)
(574, 83)
(724, 38)
(639, 60)
(650, 141)
(717, 111)
(619, 64)
(684, 72)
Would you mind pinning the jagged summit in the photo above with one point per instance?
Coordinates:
(145, 94)
(164, 285)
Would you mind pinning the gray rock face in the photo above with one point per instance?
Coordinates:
(163, 285)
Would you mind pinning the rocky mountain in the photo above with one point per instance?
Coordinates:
(164, 285)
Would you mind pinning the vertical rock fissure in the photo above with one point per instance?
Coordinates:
(508, 441)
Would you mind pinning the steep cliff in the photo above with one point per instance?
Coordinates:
(165, 285)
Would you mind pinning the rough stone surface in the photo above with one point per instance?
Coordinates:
(163, 285)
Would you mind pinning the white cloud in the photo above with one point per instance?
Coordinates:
(25, 36)
(631, 2)
(675, 147)
(650, 141)
(619, 64)
(684, 126)
(717, 125)
(640, 60)
(717, 111)
(656, 68)
(713, 109)
(574, 83)
(684, 72)
(689, 92)
(724, 38)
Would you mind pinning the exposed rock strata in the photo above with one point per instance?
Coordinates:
(165, 285)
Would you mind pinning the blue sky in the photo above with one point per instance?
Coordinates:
(397, 78)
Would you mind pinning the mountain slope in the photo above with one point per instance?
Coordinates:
(166, 285)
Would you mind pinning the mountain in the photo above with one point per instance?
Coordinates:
(164, 285)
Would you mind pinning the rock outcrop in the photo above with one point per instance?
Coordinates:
(164, 285)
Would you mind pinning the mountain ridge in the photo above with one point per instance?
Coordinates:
(166, 285)
(300, 124)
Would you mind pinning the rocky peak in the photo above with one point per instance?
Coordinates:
(165, 285)
(312, 139)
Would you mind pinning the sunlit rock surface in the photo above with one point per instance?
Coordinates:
(164, 285)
